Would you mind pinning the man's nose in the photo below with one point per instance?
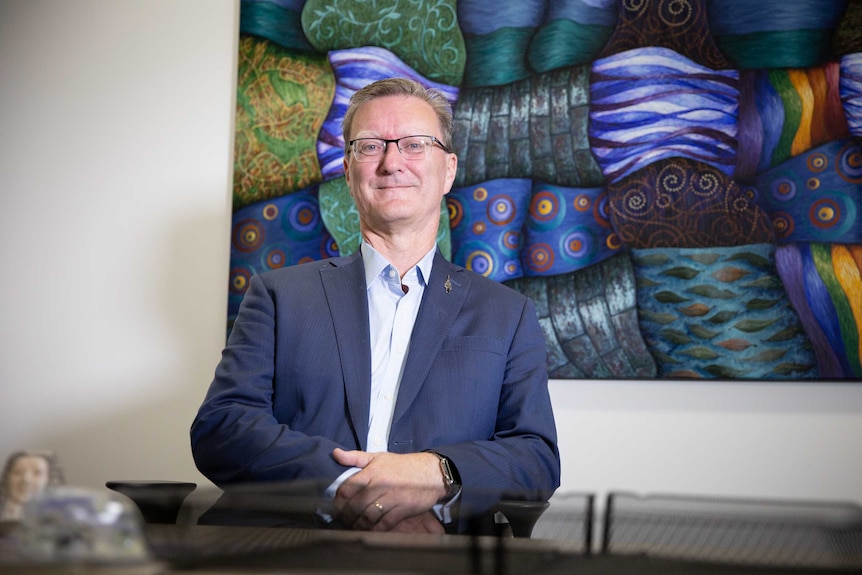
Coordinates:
(391, 155)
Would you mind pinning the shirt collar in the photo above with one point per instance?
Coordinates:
(375, 263)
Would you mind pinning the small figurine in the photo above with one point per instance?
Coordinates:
(26, 473)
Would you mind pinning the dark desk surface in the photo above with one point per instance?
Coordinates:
(234, 550)
(213, 549)
(642, 535)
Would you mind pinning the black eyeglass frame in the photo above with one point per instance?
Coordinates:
(352, 145)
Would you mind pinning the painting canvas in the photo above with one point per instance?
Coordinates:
(675, 183)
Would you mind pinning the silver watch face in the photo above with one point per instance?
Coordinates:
(447, 472)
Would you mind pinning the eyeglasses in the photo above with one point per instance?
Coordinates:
(411, 147)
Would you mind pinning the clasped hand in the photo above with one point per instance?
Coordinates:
(391, 492)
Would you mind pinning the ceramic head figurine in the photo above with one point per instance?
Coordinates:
(25, 474)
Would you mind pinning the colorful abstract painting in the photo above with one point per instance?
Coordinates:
(676, 184)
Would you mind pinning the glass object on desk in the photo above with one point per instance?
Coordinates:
(69, 524)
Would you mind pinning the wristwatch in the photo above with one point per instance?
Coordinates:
(450, 476)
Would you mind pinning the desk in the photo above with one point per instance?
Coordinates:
(210, 550)
(642, 535)
(213, 549)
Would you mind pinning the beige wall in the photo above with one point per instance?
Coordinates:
(115, 144)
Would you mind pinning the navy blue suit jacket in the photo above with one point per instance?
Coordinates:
(294, 381)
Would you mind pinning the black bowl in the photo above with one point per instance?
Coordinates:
(158, 501)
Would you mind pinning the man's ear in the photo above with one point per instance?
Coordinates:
(347, 176)
(451, 172)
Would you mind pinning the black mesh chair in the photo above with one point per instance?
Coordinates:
(735, 531)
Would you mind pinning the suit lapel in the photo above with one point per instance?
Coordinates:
(344, 284)
(436, 315)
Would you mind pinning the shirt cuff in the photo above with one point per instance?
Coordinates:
(324, 511)
(444, 511)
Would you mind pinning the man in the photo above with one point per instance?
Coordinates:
(396, 377)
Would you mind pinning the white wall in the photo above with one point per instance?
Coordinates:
(115, 155)
(753, 440)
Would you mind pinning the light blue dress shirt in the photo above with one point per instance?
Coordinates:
(393, 303)
(392, 311)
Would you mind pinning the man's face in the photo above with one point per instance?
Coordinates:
(393, 193)
(28, 477)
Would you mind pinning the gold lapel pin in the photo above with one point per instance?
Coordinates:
(448, 284)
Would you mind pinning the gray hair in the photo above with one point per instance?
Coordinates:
(402, 87)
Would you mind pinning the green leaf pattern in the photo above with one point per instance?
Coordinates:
(423, 33)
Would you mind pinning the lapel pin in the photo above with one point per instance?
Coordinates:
(448, 284)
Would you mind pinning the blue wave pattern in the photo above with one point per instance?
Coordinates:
(651, 103)
(595, 12)
(761, 34)
(481, 17)
(850, 89)
(740, 17)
